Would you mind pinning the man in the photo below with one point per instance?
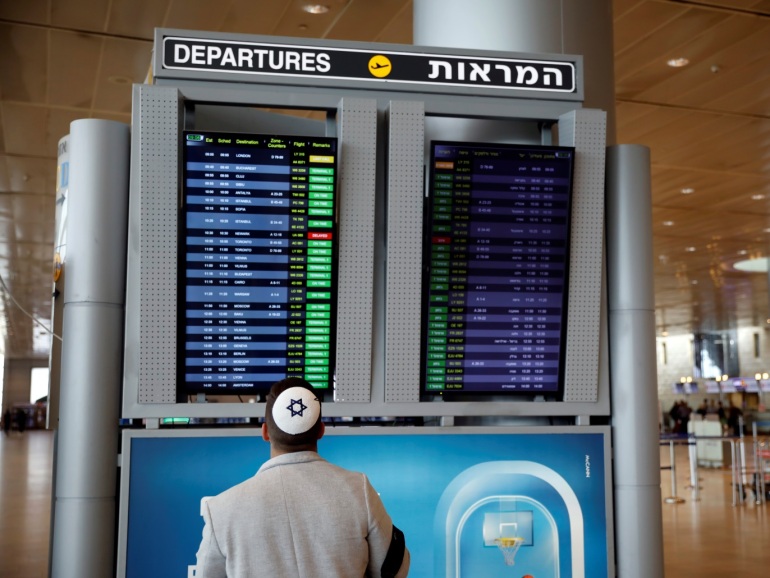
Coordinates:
(299, 516)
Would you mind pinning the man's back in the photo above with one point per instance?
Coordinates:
(299, 516)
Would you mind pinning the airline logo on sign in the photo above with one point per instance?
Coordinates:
(259, 58)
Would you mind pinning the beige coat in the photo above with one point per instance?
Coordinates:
(299, 516)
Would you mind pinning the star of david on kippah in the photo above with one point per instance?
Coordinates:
(302, 407)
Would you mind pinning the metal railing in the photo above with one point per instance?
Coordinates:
(742, 477)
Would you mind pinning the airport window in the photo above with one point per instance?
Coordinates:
(38, 383)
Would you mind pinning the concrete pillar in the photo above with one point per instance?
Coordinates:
(546, 26)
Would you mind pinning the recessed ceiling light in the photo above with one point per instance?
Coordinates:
(688, 191)
(757, 197)
(743, 252)
(766, 229)
(690, 249)
(668, 223)
(316, 8)
(678, 62)
(665, 334)
(752, 265)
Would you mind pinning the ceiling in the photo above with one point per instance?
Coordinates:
(707, 124)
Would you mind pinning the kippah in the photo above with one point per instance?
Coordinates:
(296, 410)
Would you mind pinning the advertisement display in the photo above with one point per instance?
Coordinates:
(471, 501)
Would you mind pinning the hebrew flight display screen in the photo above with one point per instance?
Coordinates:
(496, 263)
(259, 265)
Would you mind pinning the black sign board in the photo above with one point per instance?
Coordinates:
(261, 58)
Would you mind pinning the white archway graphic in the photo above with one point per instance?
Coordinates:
(527, 468)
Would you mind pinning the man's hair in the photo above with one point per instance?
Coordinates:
(280, 439)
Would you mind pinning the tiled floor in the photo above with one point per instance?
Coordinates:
(708, 538)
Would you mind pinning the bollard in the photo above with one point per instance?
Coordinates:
(693, 455)
(673, 498)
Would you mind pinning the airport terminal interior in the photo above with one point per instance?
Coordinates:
(690, 81)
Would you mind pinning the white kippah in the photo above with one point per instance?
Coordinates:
(296, 410)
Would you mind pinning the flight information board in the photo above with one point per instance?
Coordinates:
(259, 261)
(495, 284)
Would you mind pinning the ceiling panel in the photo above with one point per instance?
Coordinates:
(397, 30)
(27, 175)
(672, 38)
(70, 85)
(83, 15)
(124, 62)
(297, 22)
(250, 17)
(35, 131)
(717, 190)
(363, 20)
(756, 6)
(137, 18)
(31, 11)
(737, 58)
(23, 63)
(191, 14)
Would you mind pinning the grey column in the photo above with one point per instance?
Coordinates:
(84, 525)
(547, 26)
(633, 372)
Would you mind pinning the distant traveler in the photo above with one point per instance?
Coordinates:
(7, 422)
(299, 516)
(734, 420)
(21, 420)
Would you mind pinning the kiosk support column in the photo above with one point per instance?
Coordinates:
(633, 372)
(87, 447)
(553, 26)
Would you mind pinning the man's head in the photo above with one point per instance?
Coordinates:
(292, 417)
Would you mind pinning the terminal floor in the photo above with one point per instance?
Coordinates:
(709, 538)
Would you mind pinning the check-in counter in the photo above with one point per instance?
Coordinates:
(711, 453)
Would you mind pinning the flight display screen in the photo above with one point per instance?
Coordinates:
(496, 264)
(259, 261)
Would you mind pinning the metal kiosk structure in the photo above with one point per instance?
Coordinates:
(381, 124)
(218, 82)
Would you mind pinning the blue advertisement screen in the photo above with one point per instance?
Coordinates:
(455, 496)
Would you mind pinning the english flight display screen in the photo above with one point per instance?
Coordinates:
(259, 261)
(496, 264)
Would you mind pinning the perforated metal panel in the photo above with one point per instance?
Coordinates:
(357, 184)
(404, 243)
(156, 171)
(585, 130)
